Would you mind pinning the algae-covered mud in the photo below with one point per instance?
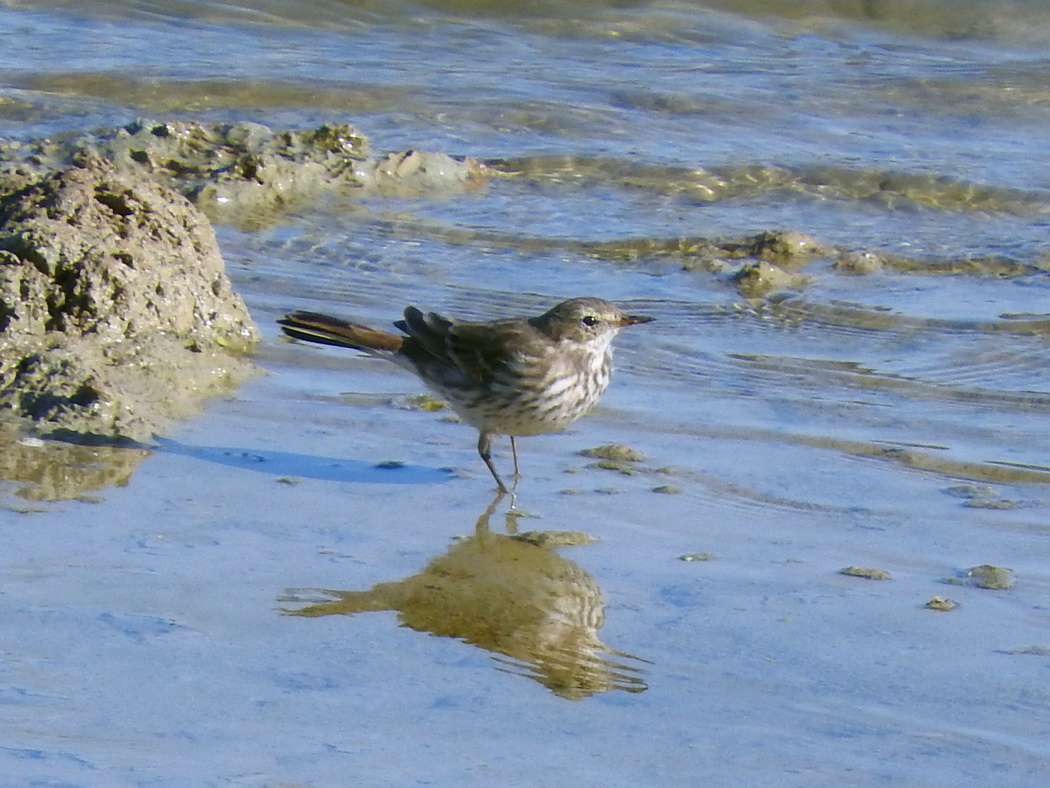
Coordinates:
(803, 538)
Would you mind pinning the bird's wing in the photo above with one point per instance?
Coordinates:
(481, 350)
(430, 331)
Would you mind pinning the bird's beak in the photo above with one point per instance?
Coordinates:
(632, 320)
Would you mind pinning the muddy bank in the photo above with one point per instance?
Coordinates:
(116, 314)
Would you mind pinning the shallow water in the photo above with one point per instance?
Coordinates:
(896, 419)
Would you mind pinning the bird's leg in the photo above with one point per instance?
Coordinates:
(485, 450)
(514, 451)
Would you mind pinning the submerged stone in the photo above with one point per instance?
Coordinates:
(942, 604)
(759, 278)
(995, 578)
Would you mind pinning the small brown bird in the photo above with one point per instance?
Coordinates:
(520, 377)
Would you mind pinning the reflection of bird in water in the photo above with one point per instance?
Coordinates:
(512, 595)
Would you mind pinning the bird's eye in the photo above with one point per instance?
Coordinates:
(590, 320)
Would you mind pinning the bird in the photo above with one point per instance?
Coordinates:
(517, 377)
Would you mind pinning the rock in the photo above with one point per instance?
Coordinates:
(116, 314)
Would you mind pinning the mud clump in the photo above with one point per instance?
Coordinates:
(868, 573)
(116, 314)
(759, 278)
(942, 604)
(614, 452)
(789, 250)
(249, 175)
(235, 172)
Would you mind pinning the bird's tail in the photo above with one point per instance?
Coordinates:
(325, 330)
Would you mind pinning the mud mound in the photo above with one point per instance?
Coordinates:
(116, 315)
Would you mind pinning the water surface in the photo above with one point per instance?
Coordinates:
(895, 419)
